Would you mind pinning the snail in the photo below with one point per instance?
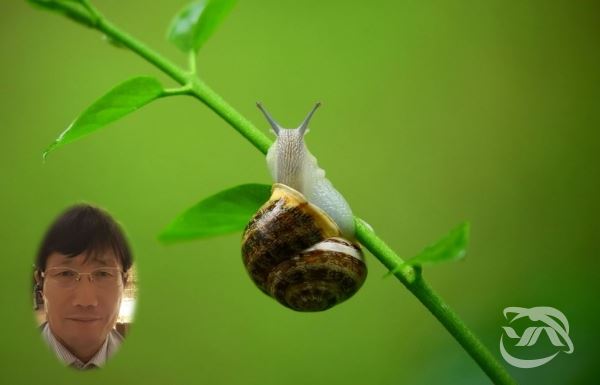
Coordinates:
(300, 248)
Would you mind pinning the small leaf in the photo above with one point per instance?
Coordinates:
(194, 24)
(118, 102)
(452, 247)
(225, 212)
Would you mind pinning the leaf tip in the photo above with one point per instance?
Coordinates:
(163, 238)
(466, 228)
(167, 236)
(47, 151)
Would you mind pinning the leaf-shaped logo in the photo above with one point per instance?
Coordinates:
(557, 330)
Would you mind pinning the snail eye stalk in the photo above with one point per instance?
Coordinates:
(274, 125)
(304, 124)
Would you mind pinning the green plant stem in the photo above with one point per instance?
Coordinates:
(200, 90)
(460, 331)
(410, 276)
(164, 64)
(184, 90)
(213, 100)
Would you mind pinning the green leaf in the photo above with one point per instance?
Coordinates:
(225, 212)
(118, 102)
(450, 248)
(194, 24)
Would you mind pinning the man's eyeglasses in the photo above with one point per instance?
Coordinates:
(104, 277)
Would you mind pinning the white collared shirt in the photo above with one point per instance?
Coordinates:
(109, 347)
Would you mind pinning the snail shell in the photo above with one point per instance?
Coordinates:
(295, 253)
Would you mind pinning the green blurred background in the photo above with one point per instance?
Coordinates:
(433, 113)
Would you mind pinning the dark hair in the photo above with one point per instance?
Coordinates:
(84, 228)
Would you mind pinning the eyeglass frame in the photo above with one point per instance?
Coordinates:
(79, 274)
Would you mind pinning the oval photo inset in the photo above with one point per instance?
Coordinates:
(84, 287)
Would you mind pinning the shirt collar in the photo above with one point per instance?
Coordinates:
(69, 359)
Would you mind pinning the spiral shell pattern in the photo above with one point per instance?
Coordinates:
(294, 252)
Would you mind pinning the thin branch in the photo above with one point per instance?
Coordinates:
(92, 10)
(412, 278)
(185, 90)
(199, 89)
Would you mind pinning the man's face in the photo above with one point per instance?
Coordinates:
(82, 315)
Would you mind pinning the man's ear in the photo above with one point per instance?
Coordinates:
(39, 281)
(125, 279)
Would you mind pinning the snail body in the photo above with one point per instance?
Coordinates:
(291, 163)
(299, 247)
